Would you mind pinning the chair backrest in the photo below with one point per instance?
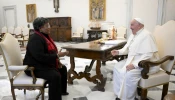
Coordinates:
(10, 30)
(17, 31)
(165, 38)
(25, 31)
(11, 52)
(4, 29)
(121, 31)
(80, 30)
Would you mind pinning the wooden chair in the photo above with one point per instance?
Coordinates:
(25, 34)
(18, 35)
(10, 50)
(78, 35)
(11, 30)
(3, 31)
(165, 36)
(121, 32)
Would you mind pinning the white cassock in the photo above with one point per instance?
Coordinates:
(141, 46)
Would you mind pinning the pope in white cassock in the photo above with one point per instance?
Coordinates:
(141, 45)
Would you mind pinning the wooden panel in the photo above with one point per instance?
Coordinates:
(53, 34)
(64, 34)
(64, 22)
(60, 28)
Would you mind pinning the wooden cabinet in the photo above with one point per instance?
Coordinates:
(94, 34)
(60, 28)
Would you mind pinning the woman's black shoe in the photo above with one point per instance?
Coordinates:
(117, 98)
(66, 93)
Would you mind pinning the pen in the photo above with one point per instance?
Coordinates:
(60, 50)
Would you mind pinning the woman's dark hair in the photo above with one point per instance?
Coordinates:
(39, 22)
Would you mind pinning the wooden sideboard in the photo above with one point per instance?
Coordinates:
(60, 28)
(94, 34)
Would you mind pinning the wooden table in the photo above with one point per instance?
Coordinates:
(94, 51)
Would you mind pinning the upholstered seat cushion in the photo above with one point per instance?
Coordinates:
(22, 79)
(158, 78)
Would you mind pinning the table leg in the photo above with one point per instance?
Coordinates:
(100, 85)
(88, 68)
(71, 71)
(96, 79)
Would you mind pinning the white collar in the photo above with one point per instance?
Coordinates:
(138, 32)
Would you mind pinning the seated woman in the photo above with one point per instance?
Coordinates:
(42, 54)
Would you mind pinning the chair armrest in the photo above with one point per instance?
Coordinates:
(19, 35)
(31, 69)
(146, 64)
(120, 57)
(17, 68)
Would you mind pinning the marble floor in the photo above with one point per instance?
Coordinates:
(81, 89)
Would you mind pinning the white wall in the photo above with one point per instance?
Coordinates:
(170, 10)
(116, 11)
(77, 9)
(147, 10)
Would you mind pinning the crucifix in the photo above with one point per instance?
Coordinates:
(56, 5)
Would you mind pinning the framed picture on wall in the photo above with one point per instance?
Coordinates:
(97, 9)
(31, 12)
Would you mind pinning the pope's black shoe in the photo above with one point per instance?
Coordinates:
(117, 98)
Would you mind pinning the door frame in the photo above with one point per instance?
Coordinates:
(5, 8)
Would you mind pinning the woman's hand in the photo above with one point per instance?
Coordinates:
(114, 52)
(62, 54)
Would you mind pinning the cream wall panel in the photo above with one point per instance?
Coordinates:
(147, 10)
(170, 10)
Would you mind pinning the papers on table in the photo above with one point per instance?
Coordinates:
(112, 42)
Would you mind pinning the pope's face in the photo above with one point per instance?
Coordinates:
(45, 28)
(135, 26)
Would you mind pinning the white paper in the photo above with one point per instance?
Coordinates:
(114, 41)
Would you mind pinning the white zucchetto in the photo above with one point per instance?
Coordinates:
(139, 20)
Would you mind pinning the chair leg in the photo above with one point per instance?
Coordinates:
(37, 97)
(13, 93)
(24, 91)
(139, 91)
(22, 43)
(165, 90)
(42, 93)
(144, 94)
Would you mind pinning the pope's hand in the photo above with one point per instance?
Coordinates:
(114, 52)
(130, 67)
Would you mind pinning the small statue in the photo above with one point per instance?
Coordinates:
(56, 5)
(113, 34)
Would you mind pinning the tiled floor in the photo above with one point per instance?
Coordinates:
(81, 89)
